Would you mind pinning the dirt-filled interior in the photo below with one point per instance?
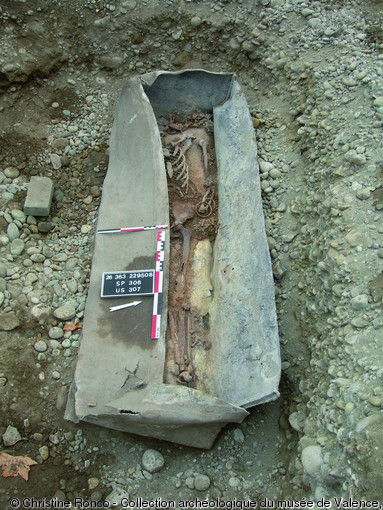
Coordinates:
(188, 147)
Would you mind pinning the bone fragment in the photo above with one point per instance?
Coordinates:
(177, 352)
(182, 212)
(181, 139)
(182, 334)
(186, 235)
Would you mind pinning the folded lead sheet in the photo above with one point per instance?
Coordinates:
(122, 375)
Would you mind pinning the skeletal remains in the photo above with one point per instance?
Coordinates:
(176, 163)
(181, 319)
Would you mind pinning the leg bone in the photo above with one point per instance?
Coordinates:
(208, 179)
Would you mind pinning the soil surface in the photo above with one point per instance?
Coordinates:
(312, 73)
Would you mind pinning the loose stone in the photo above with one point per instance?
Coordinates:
(56, 161)
(13, 231)
(116, 496)
(40, 312)
(11, 172)
(201, 482)
(11, 436)
(40, 346)
(93, 483)
(363, 194)
(85, 229)
(17, 247)
(196, 21)
(234, 481)
(189, 482)
(265, 166)
(8, 321)
(279, 270)
(56, 333)
(65, 312)
(60, 143)
(44, 452)
(152, 461)
(45, 226)
(238, 436)
(312, 459)
(18, 215)
(359, 302)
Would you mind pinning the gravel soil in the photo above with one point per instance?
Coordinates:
(312, 72)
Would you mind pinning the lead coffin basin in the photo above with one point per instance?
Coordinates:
(125, 380)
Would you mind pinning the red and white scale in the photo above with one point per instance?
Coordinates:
(159, 271)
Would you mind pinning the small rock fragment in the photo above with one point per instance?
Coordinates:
(45, 226)
(116, 496)
(238, 436)
(11, 436)
(279, 270)
(44, 452)
(56, 161)
(93, 483)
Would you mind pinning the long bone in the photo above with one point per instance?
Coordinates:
(177, 351)
(182, 212)
(186, 237)
(208, 180)
(184, 138)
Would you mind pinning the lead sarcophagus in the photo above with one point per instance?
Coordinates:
(183, 154)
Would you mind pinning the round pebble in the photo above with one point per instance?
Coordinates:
(196, 21)
(40, 346)
(56, 333)
(234, 481)
(152, 461)
(363, 194)
(201, 482)
(11, 172)
(13, 231)
(17, 247)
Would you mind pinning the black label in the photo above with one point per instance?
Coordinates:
(127, 283)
